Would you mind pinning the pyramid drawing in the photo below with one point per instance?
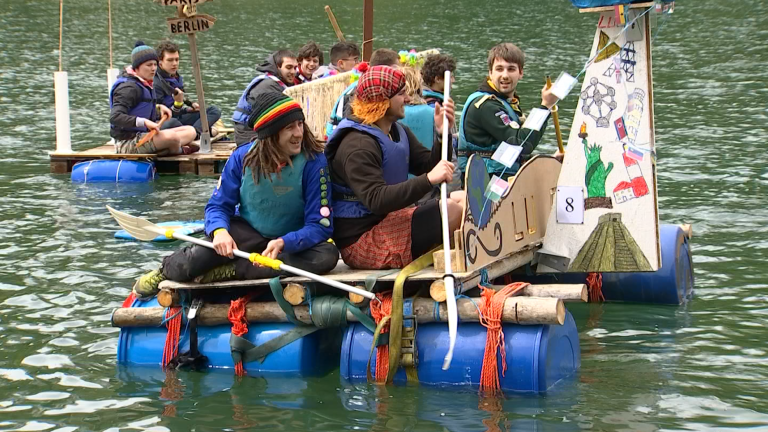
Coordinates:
(605, 49)
(610, 248)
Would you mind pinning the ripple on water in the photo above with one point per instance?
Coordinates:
(51, 361)
(70, 380)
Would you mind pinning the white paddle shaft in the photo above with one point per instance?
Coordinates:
(450, 297)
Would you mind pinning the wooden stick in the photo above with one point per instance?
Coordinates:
(295, 294)
(687, 230)
(334, 24)
(168, 298)
(151, 133)
(565, 292)
(556, 121)
(367, 29)
(519, 310)
(356, 299)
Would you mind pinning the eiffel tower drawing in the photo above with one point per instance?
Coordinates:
(628, 62)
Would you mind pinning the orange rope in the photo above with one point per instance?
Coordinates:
(595, 283)
(171, 349)
(492, 307)
(236, 316)
(379, 310)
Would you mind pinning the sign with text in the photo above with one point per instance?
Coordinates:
(180, 3)
(570, 205)
(194, 24)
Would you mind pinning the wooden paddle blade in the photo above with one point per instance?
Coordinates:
(139, 228)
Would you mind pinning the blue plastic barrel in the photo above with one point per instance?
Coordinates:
(671, 284)
(538, 356)
(313, 355)
(113, 171)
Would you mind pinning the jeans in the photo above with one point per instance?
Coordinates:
(193, 119)
(192, 261)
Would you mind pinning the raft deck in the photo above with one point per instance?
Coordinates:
(343, 273)
(196, 163)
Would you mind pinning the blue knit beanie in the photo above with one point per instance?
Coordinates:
(141, 54)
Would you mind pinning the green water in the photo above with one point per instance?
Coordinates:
(698, 367)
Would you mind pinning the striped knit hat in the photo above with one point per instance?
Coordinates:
(272, 112)
(141, 54)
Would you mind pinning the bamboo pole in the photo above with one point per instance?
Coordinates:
(565, 292)
(334, 24)
(556, 121)
(517, 310)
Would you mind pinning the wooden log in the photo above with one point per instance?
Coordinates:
(565, 292)
(519, 310)
(168, 298)
(295, 294)
(357, 299)
(687, 230)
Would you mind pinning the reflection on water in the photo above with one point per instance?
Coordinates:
(698, 367)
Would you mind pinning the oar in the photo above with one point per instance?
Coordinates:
(152, 133)
(332, 19)
(556, 121)
(145, 230)
(450, 297)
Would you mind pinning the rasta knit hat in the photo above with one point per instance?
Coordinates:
(375, 88)
(141, 54)
(273, 111)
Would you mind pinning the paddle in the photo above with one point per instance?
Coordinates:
(151, 133)
(145, 230)
(450, 297)
(556, 121)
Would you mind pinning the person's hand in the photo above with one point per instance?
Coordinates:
(548, 99)
(450, 111)
(442, 172)
(164, 111)
(274, 247)
(195, 106)
(178, 95)
(150, 125)
(558, 155)
(223, 244)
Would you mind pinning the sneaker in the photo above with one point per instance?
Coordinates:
(219, 274)
(147, 286)
(189, 149)
(214, 132)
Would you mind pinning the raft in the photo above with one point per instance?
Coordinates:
(113, 171)
(538, 356)
(672, 284)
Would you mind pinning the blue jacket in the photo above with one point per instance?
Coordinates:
(226, 197)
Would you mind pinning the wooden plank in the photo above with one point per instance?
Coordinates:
(343, 273)
(367, 29)
(610, 8)
(59, 167)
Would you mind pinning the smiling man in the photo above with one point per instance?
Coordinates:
(492, 114)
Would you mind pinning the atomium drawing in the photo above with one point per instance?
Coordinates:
(599, 102)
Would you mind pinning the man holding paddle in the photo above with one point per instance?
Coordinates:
(282, 185)
(135, 118)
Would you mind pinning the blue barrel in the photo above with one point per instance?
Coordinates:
(671, 284)
(313, 355)
(113, 171)
(538, 356)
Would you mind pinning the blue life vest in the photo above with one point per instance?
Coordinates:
(395, 157)
(337, 115)
(275, 206)
(466, 148)
(420, 119)
(427, 93)
(145, 108)
(174, 83)
(244, 109)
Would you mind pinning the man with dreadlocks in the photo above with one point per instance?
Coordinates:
(282, 184)
(370, 155)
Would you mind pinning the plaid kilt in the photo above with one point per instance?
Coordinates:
(385, 246)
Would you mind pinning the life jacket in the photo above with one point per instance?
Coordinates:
(420, 119)
(466, 148)
(337, 115)
(395, 157)
(145, 108)
(170, 83)
(244, 109)
(431, 96)
(275, 206)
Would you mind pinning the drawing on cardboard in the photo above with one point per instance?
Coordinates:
(634, 114)
(636, 187)
(599, 102)
(596, 174)
(476, 184)
(610, 248)
(605, 50)
(628, 61)
(613, 71)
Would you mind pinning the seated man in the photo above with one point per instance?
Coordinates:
(310, 57)
(492, 114)
(282, 185)
(133, 112)
(344, 57)
(342, 109)
(370, 155)
(169, 88)
(433, 75)
(277, 73)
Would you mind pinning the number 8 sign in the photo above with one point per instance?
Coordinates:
(570, 205)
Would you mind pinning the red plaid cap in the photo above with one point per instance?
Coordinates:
(380, 83)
